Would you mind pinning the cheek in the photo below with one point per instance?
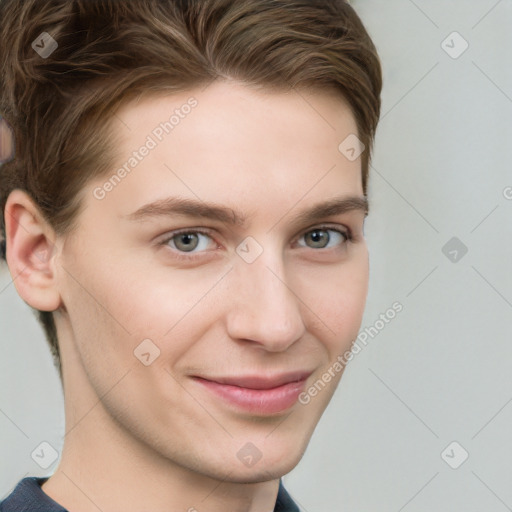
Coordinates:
(339, 304)
(160, 303)
(144, 303)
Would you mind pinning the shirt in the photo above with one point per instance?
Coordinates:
(28, 496)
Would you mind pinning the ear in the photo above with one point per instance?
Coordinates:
(30, 247)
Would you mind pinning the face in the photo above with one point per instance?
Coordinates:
(163, 304)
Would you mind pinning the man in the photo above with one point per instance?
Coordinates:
(185, 212)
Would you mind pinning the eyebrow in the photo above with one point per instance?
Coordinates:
(200, 209)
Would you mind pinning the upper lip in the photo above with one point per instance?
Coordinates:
(260, 382)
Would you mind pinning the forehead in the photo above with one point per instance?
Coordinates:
(325, 106)
(231, 144)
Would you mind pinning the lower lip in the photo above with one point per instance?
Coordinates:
(259, 401)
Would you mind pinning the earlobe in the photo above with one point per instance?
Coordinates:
(30, 251)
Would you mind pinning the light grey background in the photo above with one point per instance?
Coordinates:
(439, 372)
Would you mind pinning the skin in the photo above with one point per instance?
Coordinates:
(131, 427)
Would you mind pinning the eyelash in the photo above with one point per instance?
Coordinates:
(191, 256)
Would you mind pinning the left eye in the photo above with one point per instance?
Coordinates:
(320, 235)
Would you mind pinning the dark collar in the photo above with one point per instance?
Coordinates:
(28, 496)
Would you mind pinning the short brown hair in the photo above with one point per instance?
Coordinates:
(60, 106)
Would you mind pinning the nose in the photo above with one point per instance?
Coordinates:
(264, 308)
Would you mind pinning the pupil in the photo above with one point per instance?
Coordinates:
(187, 239)
(317, 235)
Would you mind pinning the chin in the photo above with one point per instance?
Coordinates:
(269, 468)
(259, 473)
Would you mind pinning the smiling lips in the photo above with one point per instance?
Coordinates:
(256, 394)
